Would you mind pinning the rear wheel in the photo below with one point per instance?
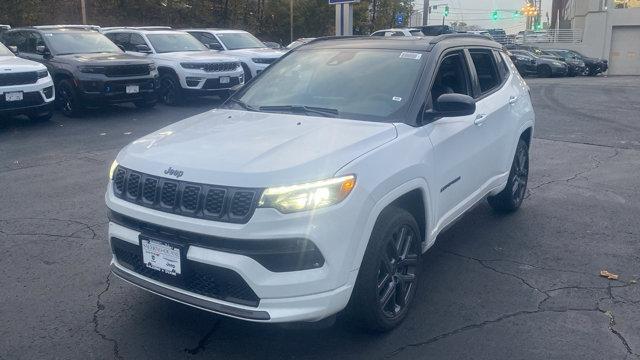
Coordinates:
(510, 199)
(170, 90)
(67, 99)
(388, 276)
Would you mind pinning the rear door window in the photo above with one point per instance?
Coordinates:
(486, 69)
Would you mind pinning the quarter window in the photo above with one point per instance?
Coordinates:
(485, 66)
(503, 68)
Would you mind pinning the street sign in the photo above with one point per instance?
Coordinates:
(399, 19)
(338, 2)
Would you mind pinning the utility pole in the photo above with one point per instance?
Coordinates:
(83, 8)
(425, 12)
(290, 21)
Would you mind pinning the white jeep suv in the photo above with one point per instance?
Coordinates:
(320, 184)
(26, 88)
(186, 66)
(254, 55)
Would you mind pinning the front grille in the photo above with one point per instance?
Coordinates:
(28, 99)
(19, 78)
(127, 70)
(220, 203)
(207, 280)
(224, 66)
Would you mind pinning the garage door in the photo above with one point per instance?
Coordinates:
(624, 58)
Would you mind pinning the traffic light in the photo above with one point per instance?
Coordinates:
(446, 10)
(494, 15)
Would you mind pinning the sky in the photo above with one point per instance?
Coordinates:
(478, 12)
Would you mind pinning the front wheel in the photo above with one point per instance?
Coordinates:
(170, 90)
(67, 99)
(388, 276)
(510, 199)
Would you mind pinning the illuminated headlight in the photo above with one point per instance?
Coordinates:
(112, 169)
(192, 66)
(309, 196)
(42, 74)
(92, 69)
(262, 60)
(152, 67)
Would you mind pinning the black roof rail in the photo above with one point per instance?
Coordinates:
(442, 37)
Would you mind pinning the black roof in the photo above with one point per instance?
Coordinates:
(416, 43)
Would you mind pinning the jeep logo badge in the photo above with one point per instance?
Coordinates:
(174, 172)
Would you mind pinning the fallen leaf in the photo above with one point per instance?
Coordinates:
(608, 275)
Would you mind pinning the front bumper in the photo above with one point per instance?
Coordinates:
(285, 296)
(37, 98)
(104, 90)
(203, 82)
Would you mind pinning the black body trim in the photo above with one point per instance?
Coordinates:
(189, 300)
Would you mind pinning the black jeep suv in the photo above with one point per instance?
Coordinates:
(87, 68)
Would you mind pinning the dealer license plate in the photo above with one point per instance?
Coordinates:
(13, 96)
(132, 89)
(225, 80)
(161, 256)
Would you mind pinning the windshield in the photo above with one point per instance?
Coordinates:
(62, 43)
(166, 43)
(324, 79)
(4, 51)
(234, 41)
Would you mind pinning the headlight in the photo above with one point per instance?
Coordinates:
(192, 66)
(289, 199)
(42, 74)
(112, 169)
(92, 69)
(262, 60)
(152, 67)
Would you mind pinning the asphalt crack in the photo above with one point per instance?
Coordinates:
(204, 340)
(96, 325)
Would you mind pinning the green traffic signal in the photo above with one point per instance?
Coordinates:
(494, 15)
(446, 10)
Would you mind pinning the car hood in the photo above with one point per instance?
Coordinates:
(16, 64)
(196, 56)
(103, 59)
(259, 52)
(253, 149)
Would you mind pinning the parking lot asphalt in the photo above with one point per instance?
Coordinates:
(521, 286)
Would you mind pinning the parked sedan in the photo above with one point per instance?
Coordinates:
(525, 64)
(594, 66)
(545, 67)
(576, 65)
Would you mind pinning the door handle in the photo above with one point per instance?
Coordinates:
(513, 100)
(480, 119)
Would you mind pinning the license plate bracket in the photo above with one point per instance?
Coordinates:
(14, 96)
(162, 256)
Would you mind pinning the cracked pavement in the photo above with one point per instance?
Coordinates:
(521, 286)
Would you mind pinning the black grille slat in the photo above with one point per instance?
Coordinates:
(18, 78)
(219, 203)
(217, 67)
(127, 70)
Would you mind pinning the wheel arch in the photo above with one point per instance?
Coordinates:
(163, 70)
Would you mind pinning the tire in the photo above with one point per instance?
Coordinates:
(544, 71)
(145, 104)
(510, 199)
(170, 90)
(247, 72)
(41, 117)
(381, 301)
(67, 99)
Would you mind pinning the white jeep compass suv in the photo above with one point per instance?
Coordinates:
(320, 184)
(186, 66)
(254, 55)
(26, 88)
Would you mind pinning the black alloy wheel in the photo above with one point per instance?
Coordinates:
(510, 199)
(67, 99)
(397, 272)
(170, 90)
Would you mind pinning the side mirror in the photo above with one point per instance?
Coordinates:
(42, 50)
(13, 49)
(214, 46)
(451, 105)
(143, 49)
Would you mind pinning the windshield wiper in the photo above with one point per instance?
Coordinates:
(328, 112)
(243, 104)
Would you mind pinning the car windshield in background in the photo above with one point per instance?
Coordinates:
(167, 43)
(416, 32)
(62, 43)
(321, 82)
(4, 51)
(234, 41)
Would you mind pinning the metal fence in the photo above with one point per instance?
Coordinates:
(566, 36)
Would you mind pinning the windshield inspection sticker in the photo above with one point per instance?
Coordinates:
(396, 98)
(410, 55)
